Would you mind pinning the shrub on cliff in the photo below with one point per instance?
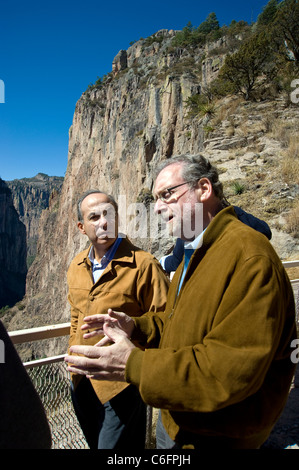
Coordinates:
(191, 36)
(285, 31)
(250, 67)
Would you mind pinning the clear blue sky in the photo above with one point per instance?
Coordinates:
(50, 51)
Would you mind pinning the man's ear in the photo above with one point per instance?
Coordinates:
(81, 227)
(205, 189)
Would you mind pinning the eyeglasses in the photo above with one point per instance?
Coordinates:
(166, 194)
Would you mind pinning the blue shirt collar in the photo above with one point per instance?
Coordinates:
(108, 256)
(196, 243)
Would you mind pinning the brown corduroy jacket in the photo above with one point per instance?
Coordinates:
(218, 359)
(133, 283)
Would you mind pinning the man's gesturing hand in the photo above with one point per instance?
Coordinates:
(119, 319)
(103, 363)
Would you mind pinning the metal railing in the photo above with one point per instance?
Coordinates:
(52, 382)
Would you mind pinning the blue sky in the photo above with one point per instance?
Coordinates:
(51, 51)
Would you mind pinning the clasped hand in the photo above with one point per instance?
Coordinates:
(108, 358)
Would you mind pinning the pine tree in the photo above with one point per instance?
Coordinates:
(285, 30)
(244, 69)
(268, 13)
(210, 24)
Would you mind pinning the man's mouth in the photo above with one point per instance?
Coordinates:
(103, 235)
(167, 218)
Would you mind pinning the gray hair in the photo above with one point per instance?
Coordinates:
(195, 167)
(93, 191)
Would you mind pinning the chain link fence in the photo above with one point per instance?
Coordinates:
(52, 383)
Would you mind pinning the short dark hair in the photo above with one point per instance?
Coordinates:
(93, 191)
(195, 167)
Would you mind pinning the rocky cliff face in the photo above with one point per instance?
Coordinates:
(128, 122)
(30, 197)
(12, 250)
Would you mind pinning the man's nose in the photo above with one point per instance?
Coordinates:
(157, 207)
(103, 221)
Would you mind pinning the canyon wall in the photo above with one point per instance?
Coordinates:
(12, 250)
(30, 197)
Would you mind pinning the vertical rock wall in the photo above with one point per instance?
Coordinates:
(121, 129)
(30, 197)
(12, 250)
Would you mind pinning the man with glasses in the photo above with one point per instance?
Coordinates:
(110, 273)
(217, 361)
(172, 261)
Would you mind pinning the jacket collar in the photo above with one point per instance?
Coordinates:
(218, 225)
(213, 231)
(124, 253)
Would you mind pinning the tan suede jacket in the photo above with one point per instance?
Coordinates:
(223, 367)
(133, 283)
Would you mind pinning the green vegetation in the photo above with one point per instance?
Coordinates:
(279, 21)
(268, 13)
(262, 59)
(208, 31)
(265, 62)
(208, 130)
(238, 188)
(152, 39)
(285, 30)
(199, 105)
(100, 82)
(30, 259)
(192, 37)
(244, 69)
